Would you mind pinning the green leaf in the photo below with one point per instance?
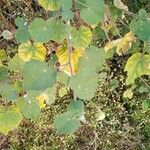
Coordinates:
(10, 118)
(146, 105)
(31, 109)
(137, 65)
(65, 123)
(94, 12)
(38, 76)
(3, 73)
(22, 35)
(62, 78)
(3, 55)
(15, 64)
(20, 22)
(51, 95)
(40, 30)
(140, 26)
(84, 83)
(80, 4)
(66, 9)
(58, 32)
(81, 38)
(28, 105)
(8, 92)
(94, 58)
(76, 108)
(52, 5)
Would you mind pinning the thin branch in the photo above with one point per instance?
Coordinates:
(69, 47)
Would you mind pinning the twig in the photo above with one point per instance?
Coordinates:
(69, 47)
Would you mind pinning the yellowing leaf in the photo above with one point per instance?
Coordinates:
(28, 51)
(122, 44)
(50, 4)
(41, 100)
(63, 58)
(136, 66)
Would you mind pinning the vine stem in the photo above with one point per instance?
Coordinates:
(146, 84)
(81, 3)
(70, 51)
(69, 47)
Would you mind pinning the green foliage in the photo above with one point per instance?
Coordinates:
(38, 76)
(94, 11)
(8, 92)
(81, 38)
(69, 121)
(29, 77)
(50, 4)
(10, 118)
(40, 30)
(137, 65)
(22, 30)
(140, 26)
(84, 83)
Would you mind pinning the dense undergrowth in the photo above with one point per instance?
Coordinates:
(117, 118)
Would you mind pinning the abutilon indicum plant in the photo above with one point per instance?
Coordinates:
(79, 59)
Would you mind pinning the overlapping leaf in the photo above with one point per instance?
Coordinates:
(40, 30)
(63, 58)
(140, 26)
(38, 76)
(69, 121)
(28, 51)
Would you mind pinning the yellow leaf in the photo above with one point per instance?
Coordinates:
(41, 100)
(63, 58)
(122, 44)
(28, 51)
